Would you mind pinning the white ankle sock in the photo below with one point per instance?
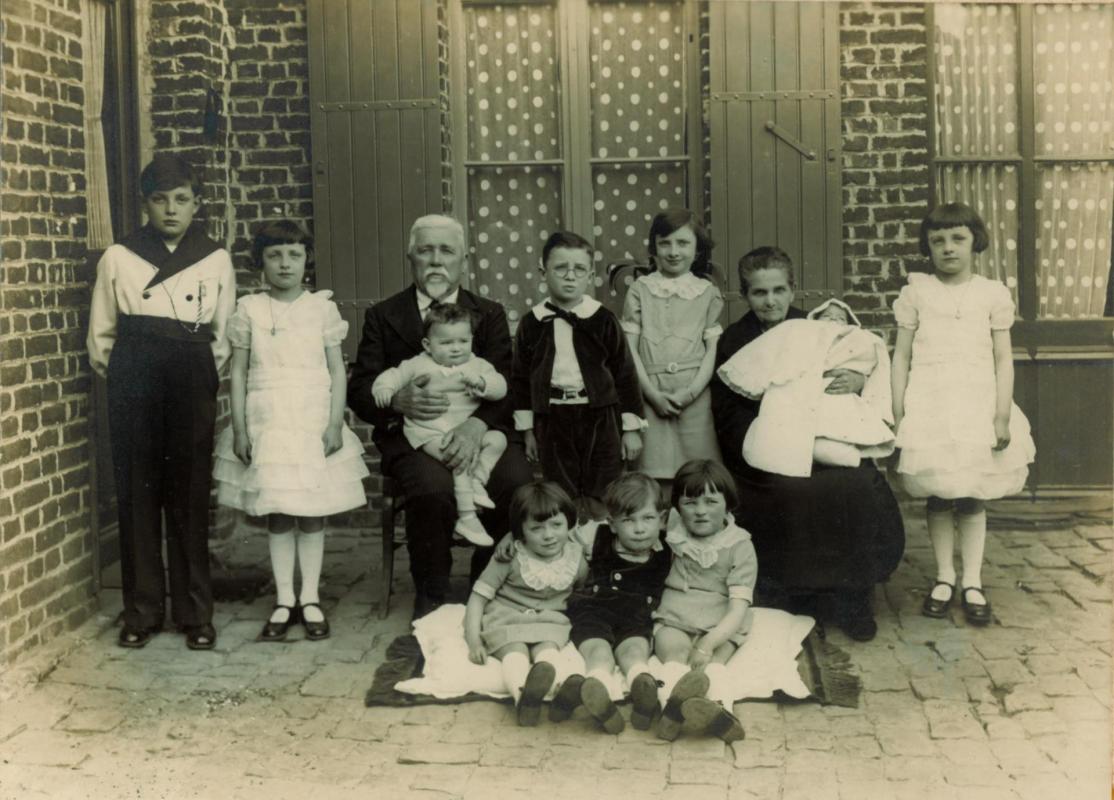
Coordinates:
(637, 669)
(941, 532)
(719, 685)
(972, 543)
(671, 672)
(283, 555)
(515, 668)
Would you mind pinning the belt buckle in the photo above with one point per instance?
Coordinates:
(671, 367)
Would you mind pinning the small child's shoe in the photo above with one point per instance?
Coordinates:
(538, 681)
(567, 699)
(713, 719)
(694, 683)
(977, 613)
(480, 496)
(469, 527)
(644, 701)
(596, 698)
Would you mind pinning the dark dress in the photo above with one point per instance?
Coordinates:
(839, 530)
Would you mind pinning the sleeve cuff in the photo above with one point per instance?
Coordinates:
(524, 420)
(632, 422)
(713, 332)
(629, 326)
(736, 593)
(483, 590)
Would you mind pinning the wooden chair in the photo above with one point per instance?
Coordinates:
(394, 501)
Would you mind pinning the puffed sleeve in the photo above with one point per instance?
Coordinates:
(1001, 307)
(632, 309)
(744, 571)
(334, 328)
(905, 308)
(239, 326)
(712, 327)
(495, 574)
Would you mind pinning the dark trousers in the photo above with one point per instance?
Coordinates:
(431, 513)
(161, 412)
(579, 448)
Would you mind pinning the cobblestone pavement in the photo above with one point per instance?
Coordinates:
(1018, 710)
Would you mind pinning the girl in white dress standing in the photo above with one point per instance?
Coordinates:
(961, 438)
(288, 454)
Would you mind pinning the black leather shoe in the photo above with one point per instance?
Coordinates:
(861, 629)
(976, 613)
(201, 637)
(136, 637)
(315, 630)
(937, 609)
(276, 631)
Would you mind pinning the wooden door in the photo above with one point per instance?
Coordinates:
(375, 122)
(775, 140)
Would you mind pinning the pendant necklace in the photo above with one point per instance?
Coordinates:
(275, 320)
(962, 296)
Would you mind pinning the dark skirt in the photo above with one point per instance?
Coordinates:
(838, 530)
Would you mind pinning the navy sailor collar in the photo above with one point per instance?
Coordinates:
(148, 244)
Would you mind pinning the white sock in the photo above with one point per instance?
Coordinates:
(281, 546)
(972, 543)
(560, 667)
(311, 552)
(671, 672)
(637, 669)
(941, 532)
(719, 685)
(515, 668)
(602, 675)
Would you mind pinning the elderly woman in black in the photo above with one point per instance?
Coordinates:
(822, 541)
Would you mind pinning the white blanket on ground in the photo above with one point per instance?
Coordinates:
(766, 662)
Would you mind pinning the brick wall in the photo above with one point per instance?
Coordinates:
(45, 555)
(885, 151)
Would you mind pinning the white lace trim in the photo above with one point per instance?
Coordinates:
(557, 574)
(705, 551)
(687, 286)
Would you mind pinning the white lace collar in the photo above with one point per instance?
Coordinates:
(557, 574)
(584, 309)
(687, 286)
(704, 550)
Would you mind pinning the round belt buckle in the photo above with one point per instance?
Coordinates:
(671, 367)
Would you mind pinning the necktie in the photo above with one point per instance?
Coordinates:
(560, 313)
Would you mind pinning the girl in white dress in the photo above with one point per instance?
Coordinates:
(288, 454)
(961, 438)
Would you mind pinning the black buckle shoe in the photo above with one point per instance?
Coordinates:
(276, 631)
(937, 609)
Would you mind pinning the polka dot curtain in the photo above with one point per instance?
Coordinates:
(637, 89)
(976, 115)
(513, 103)
(1073, 76)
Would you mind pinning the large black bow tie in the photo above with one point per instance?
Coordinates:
(560, 313)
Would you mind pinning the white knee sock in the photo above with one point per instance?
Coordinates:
(602, 675)
(311, 552)
(637, 669)
(282, 548)
(515, 667)
(719, 685)
(941, 532)
(671, 672)
(462, 492)
(972, 543)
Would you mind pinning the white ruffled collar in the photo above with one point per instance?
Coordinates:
(557, 574)
(687, 286)
(704, 550)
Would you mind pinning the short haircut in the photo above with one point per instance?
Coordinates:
(566, 239)
(695, 477)
(761, 258)
(435, 221)
(283, 231)
(539, 501)
(954, 215)
(168, 171)
(446, 314)
(631, 492)
(672, 220)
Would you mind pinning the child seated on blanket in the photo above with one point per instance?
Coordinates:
(825, 389)
(516, 609)
(450, 367)
(705, 611)
(610, 611)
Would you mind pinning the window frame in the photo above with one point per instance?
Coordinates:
(573, 68)
(1029, 331)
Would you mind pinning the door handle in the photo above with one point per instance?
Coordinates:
(786, 137)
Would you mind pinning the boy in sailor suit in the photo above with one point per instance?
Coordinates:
(156, 331)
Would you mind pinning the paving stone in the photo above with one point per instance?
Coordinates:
(1005, 673)
(359, 730)
(856, 770)
(100, 720)
(1021, 757)
(432, 715)
(1041, 723)
(439, 753)
(857, 747)
(697, 748)
(809, 786)
(513, 757)
(952, 721)
(897, 740)
(755, 784)
(939, 687)
(414, 734)
(758, 752)
(1000, 728)
(466, 733)
(704, 772)
(46, 749)
(865, 790)
(447, 780)
(961, 752)
(980, 776)
(918, 769)
(1026, 697)
(335, 680)
(693, 792)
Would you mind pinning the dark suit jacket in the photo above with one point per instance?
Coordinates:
(393, 333)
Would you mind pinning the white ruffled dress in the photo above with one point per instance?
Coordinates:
(287, 411)
(947, 435)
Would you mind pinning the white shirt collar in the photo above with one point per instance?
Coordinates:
(586, 308)
(424, 300)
